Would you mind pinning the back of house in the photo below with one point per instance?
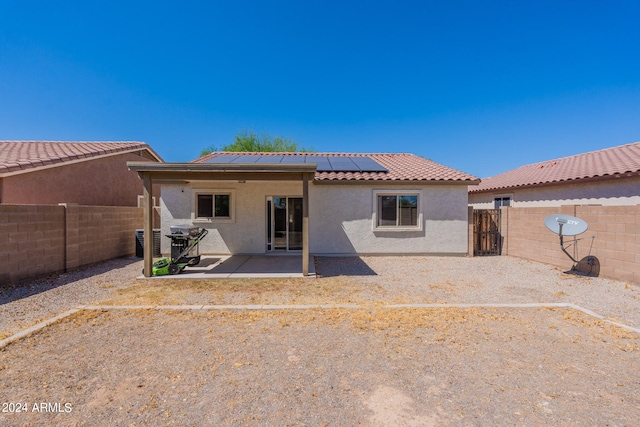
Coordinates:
(352, 203)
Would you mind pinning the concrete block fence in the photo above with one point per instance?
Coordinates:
(613, 237)
(42, 239)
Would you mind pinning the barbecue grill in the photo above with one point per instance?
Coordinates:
(184, 239)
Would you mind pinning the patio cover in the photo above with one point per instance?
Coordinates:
(159, 173)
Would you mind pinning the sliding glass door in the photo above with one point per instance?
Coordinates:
(284, 223)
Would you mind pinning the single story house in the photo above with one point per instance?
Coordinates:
(319, 203)
(86, 173)
(604, 177)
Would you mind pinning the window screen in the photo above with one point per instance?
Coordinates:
(213, 206)
(222, 205)
(205, 206)
(397, 210)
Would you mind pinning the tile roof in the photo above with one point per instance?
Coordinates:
(23, 155)
(401, 167)
(613, 161)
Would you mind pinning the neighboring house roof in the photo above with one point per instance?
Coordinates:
(18, 156)
(609, 162)
(400, 167)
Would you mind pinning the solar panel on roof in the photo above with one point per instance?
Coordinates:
(247, 159)
(367, 164)
(325, 163)
(343, 164)
(270, 159)
(223, 159)
(293, 159)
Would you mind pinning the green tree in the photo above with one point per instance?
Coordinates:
(250, 141)
(210, 149)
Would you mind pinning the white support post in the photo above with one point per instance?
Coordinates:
(305, 224)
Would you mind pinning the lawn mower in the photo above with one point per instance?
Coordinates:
(183, 240)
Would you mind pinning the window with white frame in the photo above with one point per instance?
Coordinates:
(213, 205)
(397, 210)
(501, 201)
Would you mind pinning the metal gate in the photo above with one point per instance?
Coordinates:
(487, 239)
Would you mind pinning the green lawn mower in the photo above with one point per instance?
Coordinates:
(183, 240)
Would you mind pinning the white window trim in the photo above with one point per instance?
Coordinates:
(502, 196)
(393, 228)
(213, 220)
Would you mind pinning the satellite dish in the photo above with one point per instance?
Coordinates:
(565, 225)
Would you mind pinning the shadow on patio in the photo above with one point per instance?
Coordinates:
(246, 266)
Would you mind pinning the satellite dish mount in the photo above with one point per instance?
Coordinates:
(565, 225)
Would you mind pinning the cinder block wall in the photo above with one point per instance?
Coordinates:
(42, 239)
(31, 241)
(613, 237)
(97, 233)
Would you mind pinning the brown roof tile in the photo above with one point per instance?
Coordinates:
(607, 162)
(24, 155)
(401, 167)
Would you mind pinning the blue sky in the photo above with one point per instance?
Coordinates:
(483, 87)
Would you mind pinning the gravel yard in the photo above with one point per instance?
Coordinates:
(46, 297)
(368, 366)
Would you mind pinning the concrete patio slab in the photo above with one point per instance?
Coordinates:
(245, 266)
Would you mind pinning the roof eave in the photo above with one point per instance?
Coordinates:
(568, 181)
(396, 181)
(221, 167)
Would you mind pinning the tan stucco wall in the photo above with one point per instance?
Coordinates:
(246, 234)
(618, 192)
(340, 219)
(104, 181)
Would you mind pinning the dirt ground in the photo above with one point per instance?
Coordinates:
(374, 367)
(371, 366)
